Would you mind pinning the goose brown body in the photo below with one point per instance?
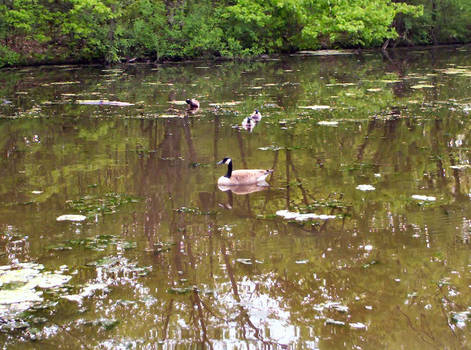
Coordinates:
(243, 176)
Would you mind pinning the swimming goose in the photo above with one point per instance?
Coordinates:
(243, 176)
(193, 104)
(256, 116)
(248, 124)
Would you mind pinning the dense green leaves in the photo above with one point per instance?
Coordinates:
(111, 30)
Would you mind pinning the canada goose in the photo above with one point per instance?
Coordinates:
(243, 176)
(193, 104)
(248, 124)
(256, 116)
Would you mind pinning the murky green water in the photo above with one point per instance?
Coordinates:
(165, 259)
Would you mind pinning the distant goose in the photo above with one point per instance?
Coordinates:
(256, 116)
(248, 124)
(193, 104)
(243, 176)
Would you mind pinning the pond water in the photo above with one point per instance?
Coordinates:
(377, 147)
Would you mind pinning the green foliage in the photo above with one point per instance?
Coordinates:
(111, 30)
(8, 56)
(442, 21)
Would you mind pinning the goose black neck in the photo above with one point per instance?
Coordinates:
(229, 170)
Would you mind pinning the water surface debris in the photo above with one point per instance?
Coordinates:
(289, 215)
(104, 102)
(328, 123)
(422, 86)
(357, 325)
(71, 217)
(315, 107)
(424, 198)
(460, 166)
(365, 188)
(225, 104)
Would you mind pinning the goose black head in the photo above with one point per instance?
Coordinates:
(225, 161)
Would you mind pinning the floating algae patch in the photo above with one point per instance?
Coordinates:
(195, 211)
(162, 247)
(180, 290)
(104, 323)
(113, 270)
(335, 203)
(119, 266)
(87, 291)
(98, 243)
(91, 205)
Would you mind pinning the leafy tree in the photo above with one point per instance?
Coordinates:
(443, 21)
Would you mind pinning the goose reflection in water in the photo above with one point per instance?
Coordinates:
(239, 190)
